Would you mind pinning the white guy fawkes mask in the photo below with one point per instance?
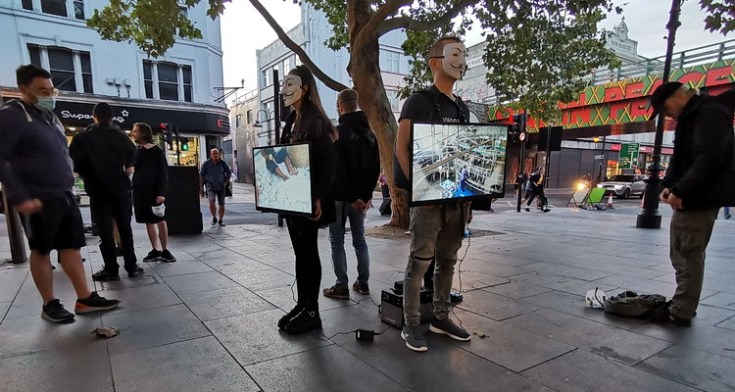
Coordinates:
(454, 61)
(291, 89)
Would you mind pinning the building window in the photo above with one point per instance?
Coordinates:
(393, 99)
(28, 5)
(187, 82)
(165, 76)
(168, 81)
(54, 7)
(62, 65)
(392, 62)
(184, 11)
(238, 120)
(79, 9)
(266, 77)
(250, 116)
(148, 78)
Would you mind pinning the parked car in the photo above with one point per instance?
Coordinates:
(624, 185)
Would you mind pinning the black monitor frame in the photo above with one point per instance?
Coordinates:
(258, 207)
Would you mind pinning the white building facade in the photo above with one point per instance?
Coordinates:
(178, 88)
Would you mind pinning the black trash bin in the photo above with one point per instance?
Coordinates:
(183, 213)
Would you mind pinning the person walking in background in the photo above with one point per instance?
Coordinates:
(309, 123)
(36, 172)
(699, 180)
(536, 188)
(150, 181)
(358, 167)
(103, 156)
(436, 230)
(215, 175)
(726, 212)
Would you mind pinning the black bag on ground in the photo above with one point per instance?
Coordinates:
(631, 304)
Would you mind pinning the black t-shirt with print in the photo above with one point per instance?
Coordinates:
(429, 106)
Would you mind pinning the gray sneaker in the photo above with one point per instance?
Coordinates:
(414, 338)
(449, 328)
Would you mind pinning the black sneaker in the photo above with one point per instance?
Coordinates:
(104, 276)
(288, 316)
(528, 209)
(134, 273)
(214, 221)
(222, 223)
(94, 303)
(167, 257)
(153, 256)
(337, 291)
(54, 311)
(306, 320)
(455, 296)
(662, 314)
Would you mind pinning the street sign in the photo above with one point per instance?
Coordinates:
(628, 158)
(598, 157)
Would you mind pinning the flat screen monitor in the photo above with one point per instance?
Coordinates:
(283, 179)
(457, 162)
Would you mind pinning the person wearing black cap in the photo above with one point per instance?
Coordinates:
(103, 156)
(699, 180)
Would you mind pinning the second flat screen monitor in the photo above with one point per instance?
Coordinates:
(283, 179)
(457, 162)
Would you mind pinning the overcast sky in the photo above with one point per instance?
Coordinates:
(244, 31)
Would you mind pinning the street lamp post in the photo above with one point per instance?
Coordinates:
(259, 124)
(649, 217)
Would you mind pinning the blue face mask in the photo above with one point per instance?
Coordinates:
(46, 103)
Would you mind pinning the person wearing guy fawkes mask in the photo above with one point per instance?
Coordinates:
(36, 172)
(436, 230)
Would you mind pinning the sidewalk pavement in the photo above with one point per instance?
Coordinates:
(208, 321)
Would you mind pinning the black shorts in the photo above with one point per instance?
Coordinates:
(144, 197)
(57, 226)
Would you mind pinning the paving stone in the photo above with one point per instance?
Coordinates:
(727, 324)
(215, 304)
(11, 279)
(718, 341)
(696, 368)
(88, 370)
(601, 339)
(144, 297)
(4, 307)
(517, 290)
(254, 338)
(582, 371)
(722, 300)
(563, 283)
(494, 306)
(179, 267)
(206, 365)
(153, 327)
(33, 334)
(448, 365)
(195, 283)
(305, 372)
(263, 279)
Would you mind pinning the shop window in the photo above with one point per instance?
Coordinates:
(28, 5)
(54, 7)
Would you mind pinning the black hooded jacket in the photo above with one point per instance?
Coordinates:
(702, 170)
(358, 159)
(101, 154)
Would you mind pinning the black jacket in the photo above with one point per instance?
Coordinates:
(702, 170)
(315, 129)
(101, 154)
(357, 173)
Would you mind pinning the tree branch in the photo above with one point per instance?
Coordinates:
(381, 14)
(412, 24)
(305, 59)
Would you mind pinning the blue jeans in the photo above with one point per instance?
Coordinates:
(337, 239)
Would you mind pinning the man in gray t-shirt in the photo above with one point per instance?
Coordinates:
(215, 174)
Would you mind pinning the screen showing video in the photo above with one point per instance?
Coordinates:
(283, 179)
(457, 162)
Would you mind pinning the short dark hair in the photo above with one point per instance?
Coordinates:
(103, 112)
(25, 74)
(348, 98)
(437, 48)
(145, 131)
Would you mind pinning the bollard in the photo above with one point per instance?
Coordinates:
(15, 233)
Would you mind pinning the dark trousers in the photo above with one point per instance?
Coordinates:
(108, 209)
(303, 233)
(538, 191)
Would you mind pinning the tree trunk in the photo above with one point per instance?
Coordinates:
(364, 69)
